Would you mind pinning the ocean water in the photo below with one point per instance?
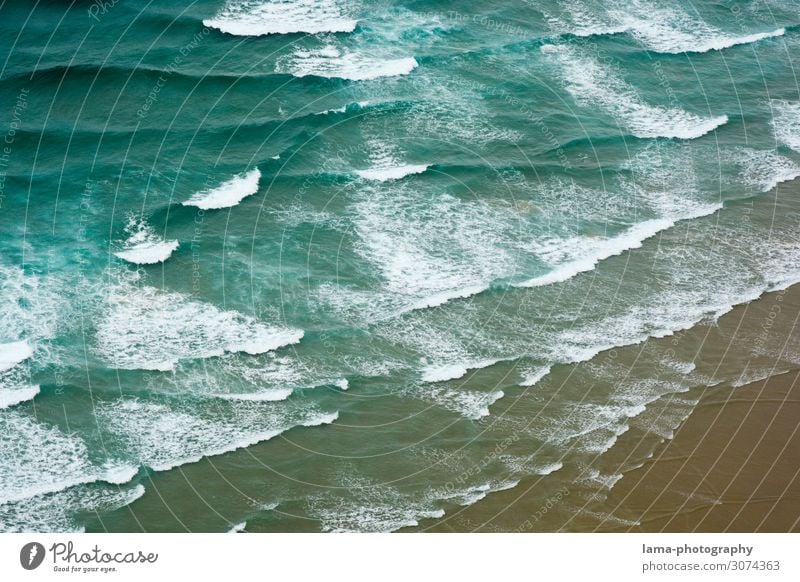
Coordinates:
(341, 265)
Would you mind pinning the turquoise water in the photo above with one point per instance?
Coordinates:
(323, 266)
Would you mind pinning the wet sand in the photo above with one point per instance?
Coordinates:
(733, 465)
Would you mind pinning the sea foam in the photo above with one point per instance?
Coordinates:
(786, 123)
(262, 17)
(594, 84)
(652, 185)
(144, 246)
(144, 328)
(14, 353)
(15, 395)
(227, 194)
(453, 371)
(470, 404)
(763, 170)
(370, 507)
(333, 61)
(386, 164)
(430, 250)
(658, 27)
(164, 435)
(581, 19)
(668, 29)
(14, 385)
(60, 511)
(532, 376)
(31, 304)
(391, 173)
(37, 459)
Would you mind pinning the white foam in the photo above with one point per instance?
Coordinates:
(149, 253)
(459, 112)
(14, 353)
(36, 459)
(580, 19)
(15, 386)
(438, 299)
(679, 302)
(527, 465)
(453, 371)
(660, 28)
(667, 29)
(396, 173)
(370, 507)
(232, 377)
(532, 376)
(144, 328)
(765, 169)
(470, 404)
(162, 436)
(333, 61)
(786, 123)
(58, 512)
(471, 495)
(341, 109)
(599, 250)
(31, 306)
(551, 468)
(725, 41)
(447, 359)
(683, 289)
(607, 481)
(375, 519)
(681, 306)
(117, 474)
(594, 84)
(274, 395)
(430, 250)
(144, 246)
(753, 376)
(780, 282)
(238, 528)
(17, 394)
(442, 373)
(590, 427)
(260, 17)
(684, 368)
(386, 165)
(613, 434)
(227, 194)
(652, 184)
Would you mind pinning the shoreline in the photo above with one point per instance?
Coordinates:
(728, 469)
(728, 466)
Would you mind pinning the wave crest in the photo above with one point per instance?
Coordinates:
(592, 83)
(228, 193)
(258, 18)
(144, 246)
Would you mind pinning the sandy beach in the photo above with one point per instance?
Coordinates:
(730, 467)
